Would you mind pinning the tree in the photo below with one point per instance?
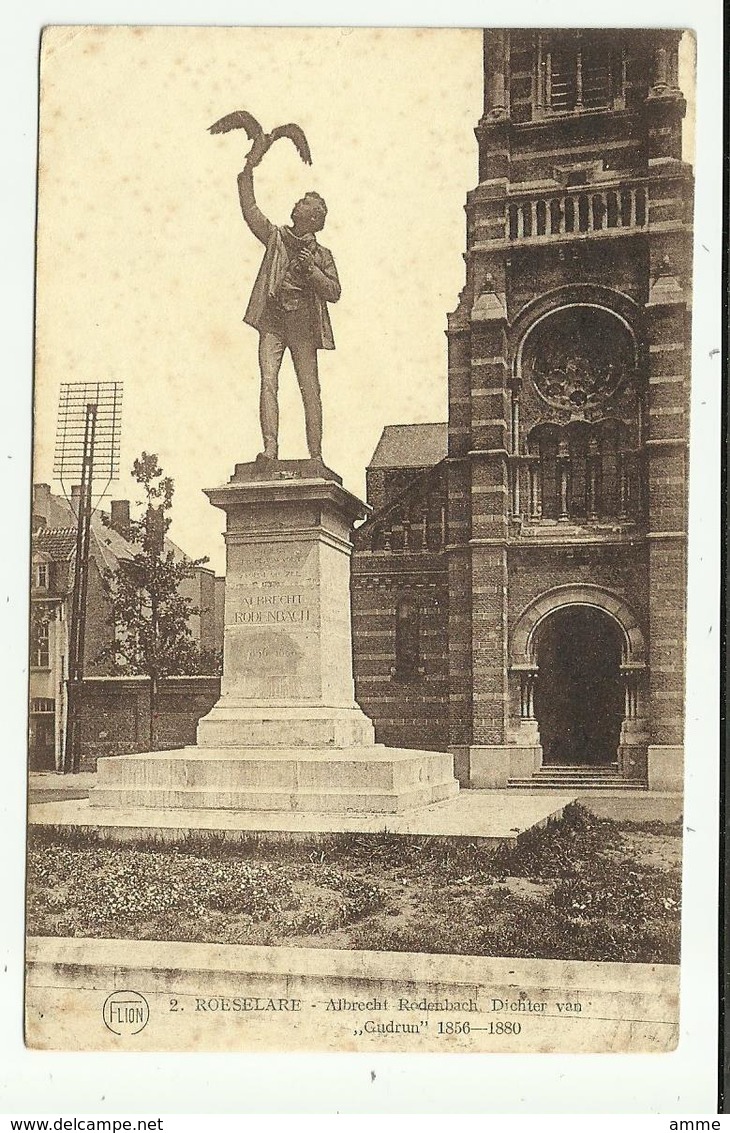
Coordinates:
(151, 617)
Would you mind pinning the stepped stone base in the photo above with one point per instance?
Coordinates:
(232, 724)
(356, 780)
(287, 735)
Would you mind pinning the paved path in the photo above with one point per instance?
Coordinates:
(49, 786)
(642, 806)
(494, 815)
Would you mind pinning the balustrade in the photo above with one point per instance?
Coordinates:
(420, 532)
(578, 213)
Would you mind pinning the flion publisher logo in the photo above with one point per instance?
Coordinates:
(126, 1012)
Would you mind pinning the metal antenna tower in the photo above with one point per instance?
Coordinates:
(87, 444)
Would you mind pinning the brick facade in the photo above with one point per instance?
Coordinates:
(564, 473)
(400, 569)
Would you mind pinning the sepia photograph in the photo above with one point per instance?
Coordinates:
(358, 595)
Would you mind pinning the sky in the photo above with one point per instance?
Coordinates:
(144, 264)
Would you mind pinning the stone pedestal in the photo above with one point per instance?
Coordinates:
(287, 733)
(287, 652)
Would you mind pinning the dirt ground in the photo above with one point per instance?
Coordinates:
(661, 851)
(578, 889)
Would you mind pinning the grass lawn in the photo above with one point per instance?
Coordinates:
(582, 889)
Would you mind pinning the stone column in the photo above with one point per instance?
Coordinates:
(563, 470)
(592, 471)
(495, 69)
(665, 104)
(533, 480)
(525, 749)
(634, 738)
(660, 75)
(623, 486)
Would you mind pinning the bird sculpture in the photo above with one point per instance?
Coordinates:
(242, 120)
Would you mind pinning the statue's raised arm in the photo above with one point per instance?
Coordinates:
(260, 225)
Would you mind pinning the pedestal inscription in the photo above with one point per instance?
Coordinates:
(287, 639)
(269, 666)
(272, 624)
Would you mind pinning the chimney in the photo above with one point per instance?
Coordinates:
(42, 503)
(75, 503)
(119, 519)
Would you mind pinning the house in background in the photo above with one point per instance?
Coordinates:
(53, 550)
(51, 581)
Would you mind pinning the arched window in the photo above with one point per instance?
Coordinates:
(545, 440)
(577, 71)
(585, 472)
(578, 437)
(407, 643)
(579, 359)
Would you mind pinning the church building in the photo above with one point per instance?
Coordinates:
(518, 591)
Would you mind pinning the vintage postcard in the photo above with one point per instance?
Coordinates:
(359, 539)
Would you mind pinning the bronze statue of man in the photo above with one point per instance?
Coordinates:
(288, 305)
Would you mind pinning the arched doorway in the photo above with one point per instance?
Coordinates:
(579, 694)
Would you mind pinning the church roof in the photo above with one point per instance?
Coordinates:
(411, 446)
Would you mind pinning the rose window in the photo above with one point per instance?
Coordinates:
(578, 358)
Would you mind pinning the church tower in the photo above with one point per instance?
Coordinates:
(568, 417)
(519, 590)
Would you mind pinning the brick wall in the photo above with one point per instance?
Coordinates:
(668, 334)
(621, 569)
(115, 716)
(410, 712)
(99, 634)
(399, 556)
